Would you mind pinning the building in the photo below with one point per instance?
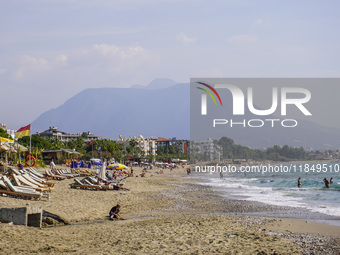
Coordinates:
(163, 142)
(183, 145)
(53, 132)
(11, 132)
(59, 156)
(148, 145)
(208, 148)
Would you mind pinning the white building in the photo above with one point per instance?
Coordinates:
(208, 148)
(148, 145)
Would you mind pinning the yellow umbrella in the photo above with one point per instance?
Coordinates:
(117, 166)
(5, 140)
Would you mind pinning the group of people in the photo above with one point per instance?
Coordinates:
(325, 180)
(328, 182)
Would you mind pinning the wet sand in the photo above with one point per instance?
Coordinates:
(165, 213)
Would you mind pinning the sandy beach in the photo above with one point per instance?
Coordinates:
(164, 214)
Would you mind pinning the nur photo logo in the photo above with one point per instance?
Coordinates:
(281, 99)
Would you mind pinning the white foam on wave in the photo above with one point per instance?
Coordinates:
(279, 197)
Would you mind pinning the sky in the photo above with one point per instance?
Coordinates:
(50, 50)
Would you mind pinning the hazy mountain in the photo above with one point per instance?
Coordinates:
(111, 112)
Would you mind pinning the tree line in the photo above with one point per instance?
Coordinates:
(230, 150)
(103, 148)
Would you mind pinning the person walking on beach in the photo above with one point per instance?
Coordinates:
(53, 167)
(326, 182)
(299, 182)
(114, 212)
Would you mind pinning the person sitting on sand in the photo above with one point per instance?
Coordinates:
(114, 212)
(326, 182)
(299, 182)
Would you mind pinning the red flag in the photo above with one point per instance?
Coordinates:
(89, 143)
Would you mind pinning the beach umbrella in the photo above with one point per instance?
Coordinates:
(117, 166)
(5, 140)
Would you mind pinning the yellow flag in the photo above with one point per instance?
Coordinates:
(24, 131)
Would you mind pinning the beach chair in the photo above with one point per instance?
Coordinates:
(42, 181)
(62, 173)
(33, 171)
(79, 184)
(3, 185)
(18, 179)
(53, 176)
(21, 192)
(39, 184)
(82, 173)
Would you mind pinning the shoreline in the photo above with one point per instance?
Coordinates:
(165, 213)
(278, 211)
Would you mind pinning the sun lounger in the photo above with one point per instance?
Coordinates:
(34, 177)
(16, 191)
(82, 173)
(28, 178)
(14, 171)
(29, 184)
(83, 186)
(113, 182)
(30, 169)
(3, 185)
(79, 184)
(53, 176)
(85, 181)
(69, 176)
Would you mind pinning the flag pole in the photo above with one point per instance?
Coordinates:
(30, 137)
(30, 144)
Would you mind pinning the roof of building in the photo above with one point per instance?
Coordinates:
(61, 150)
(161, 139)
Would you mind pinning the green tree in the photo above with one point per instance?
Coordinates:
(4, 134)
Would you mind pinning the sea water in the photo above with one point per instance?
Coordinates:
(281, 188)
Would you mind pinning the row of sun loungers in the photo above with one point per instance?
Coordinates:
(60, 174)
(91, 183)
(84, 172)
(29, 177)
(23, 185)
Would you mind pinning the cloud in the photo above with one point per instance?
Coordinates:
(184, 38)
(61, 59)
(28, 66)
(103, 59)
(114, 58)
(2, 71)
(259, 21)
(242, 39)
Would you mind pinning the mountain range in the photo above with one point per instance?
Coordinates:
(162, 109)
(134, 111)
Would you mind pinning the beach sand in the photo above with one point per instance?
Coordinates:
(164, 214)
